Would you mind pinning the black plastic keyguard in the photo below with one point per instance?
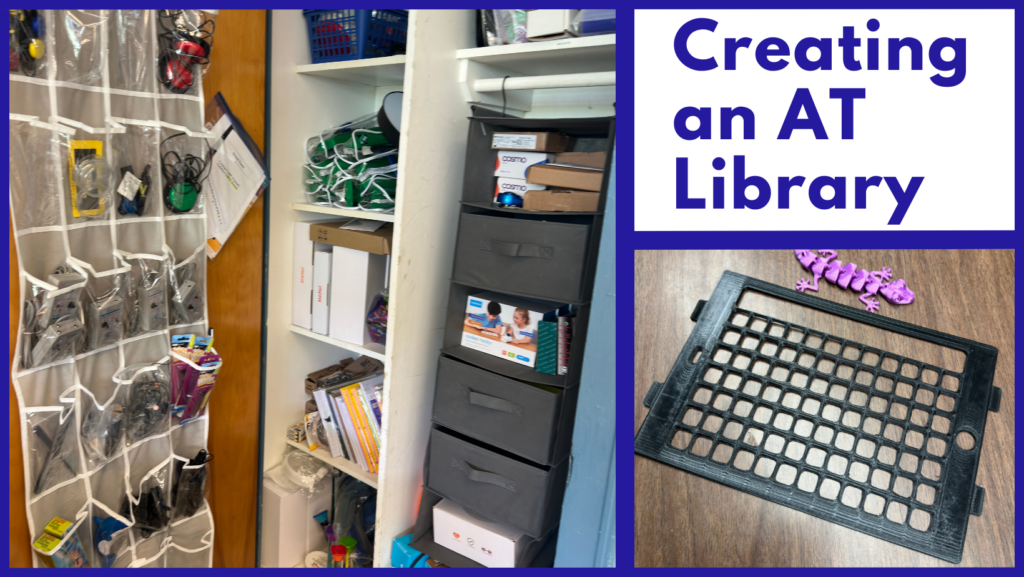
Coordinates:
(730, 424)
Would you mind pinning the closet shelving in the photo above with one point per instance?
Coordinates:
(306, 99)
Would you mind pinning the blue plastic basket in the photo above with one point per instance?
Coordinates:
(336, 35)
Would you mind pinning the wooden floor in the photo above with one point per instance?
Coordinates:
(683, 520)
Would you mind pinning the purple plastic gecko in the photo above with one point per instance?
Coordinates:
(871, 283)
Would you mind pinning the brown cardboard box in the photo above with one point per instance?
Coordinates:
(561, 200)
(535, 141)
(565, 177)
(376, 242)
(591, 159)
(364, 365)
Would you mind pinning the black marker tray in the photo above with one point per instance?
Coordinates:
(849, 438)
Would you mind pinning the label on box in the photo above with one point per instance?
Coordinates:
(516, 186)
(511, 164)
(129, 186)
(515, 141)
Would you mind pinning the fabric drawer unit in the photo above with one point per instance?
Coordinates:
(499, 486)
(532, 421)
(531, 258)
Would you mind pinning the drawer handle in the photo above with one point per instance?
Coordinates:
(514, 249)
(479, 476)
(494, 403)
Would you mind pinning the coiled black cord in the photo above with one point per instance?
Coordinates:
(148, 406)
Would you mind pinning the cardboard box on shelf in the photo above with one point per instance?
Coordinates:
(355, 234)
(513, 163)
(531, 141)
(560, 200)
(302, 275)
(504, 326)
(489, 544)
(344, 371)
(549, 24)
(566, 177)
(357, 280)
(589, 159)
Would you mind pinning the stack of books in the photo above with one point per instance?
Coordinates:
(351, 417)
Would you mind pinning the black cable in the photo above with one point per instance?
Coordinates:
(148, 406)
(183, 178)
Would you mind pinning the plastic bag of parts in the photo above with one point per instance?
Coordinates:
(78, 46)
(111, 540)
(352, 166)
(510, 26)
(106, 305)
(35, 189)
(91, 179)
(190, 485)
(354, 515)
(133, 155)
(377, 320)
(187, 279)
(149, 399)
(147, 293)
(299, 471)
(150, 509)
(594, 22)
(27, 42)
(185, 39)
(53, 448)
(52, 321)
(103, 427)
(185, 167)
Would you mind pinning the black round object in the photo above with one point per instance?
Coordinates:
(389, 117)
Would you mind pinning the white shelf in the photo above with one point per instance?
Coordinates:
(375, 350)
(568, 56)
(386, 71)
(342, 464)
(306, 207)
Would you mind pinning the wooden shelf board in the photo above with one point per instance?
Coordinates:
(567, 56)
(342, 464)
(386, 71)
(306, 207)
(374, 350)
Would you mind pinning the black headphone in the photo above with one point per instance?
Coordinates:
(26, 48)
(181, 49)
(183, 178)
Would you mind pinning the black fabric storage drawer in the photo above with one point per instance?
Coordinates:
(535, 553)
(535, 259)
(529, 421)
(500, 487)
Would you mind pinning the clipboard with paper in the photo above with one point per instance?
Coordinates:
(238, 175)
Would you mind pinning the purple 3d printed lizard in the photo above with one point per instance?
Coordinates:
(871, 283)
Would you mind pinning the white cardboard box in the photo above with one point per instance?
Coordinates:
(321, 291)
(514, 163)
(516, 186)
(489, 544)
(289, 530)
(302, 275)
(548, 24)
(357, 279)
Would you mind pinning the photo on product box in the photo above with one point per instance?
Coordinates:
(848, 400)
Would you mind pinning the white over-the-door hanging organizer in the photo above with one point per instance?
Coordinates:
(97, 80)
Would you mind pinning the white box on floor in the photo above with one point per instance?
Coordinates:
(549, 24)
(289, 530)
(489, 544)
(357, 280)
(302, 275)
(321, 291)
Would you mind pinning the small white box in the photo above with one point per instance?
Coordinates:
(321, 291)
(357, 279)
(549, 24)
(516, 186)
(514, 164)
(289, 530)
(489, 544)
(302, 275)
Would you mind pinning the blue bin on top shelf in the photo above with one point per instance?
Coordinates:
(337, 35)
